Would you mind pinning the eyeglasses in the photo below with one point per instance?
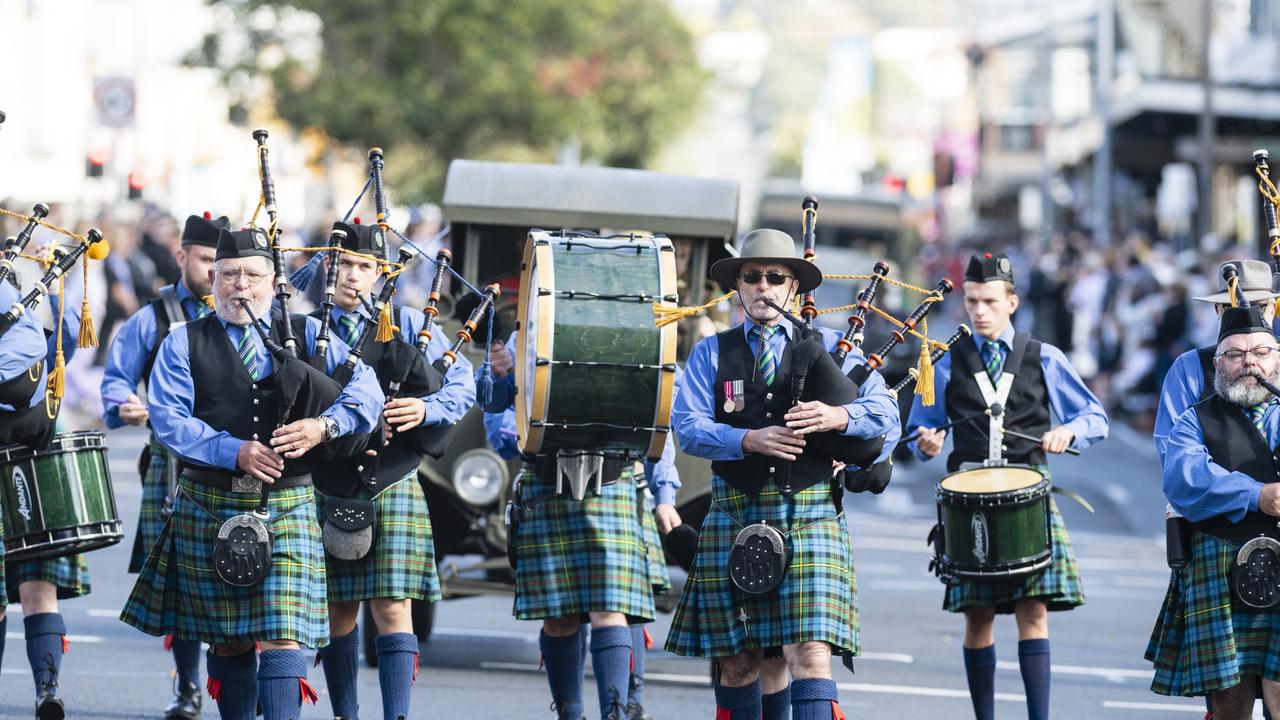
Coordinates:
(751, 277)
(1258, 353)
(231, 276)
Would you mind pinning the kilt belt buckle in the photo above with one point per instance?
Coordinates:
(578, 468)
(246, 484)
(759, 558)
(1255, 574)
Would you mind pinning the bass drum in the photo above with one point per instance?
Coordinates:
(992, 523)
(594, 371)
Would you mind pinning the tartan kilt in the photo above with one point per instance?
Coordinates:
(1202, 642)
(402, 563)
(179, 593)
(70, 574)
(654, 552)
(150, 521)
(574, 557)
(1059, 585)
(816, 602)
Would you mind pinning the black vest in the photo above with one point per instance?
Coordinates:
(225, 397)
(1205, 356)
(1026, 411)
(1235, 444)
(164, 321)
(764, 405)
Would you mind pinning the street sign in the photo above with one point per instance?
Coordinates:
(114, 100)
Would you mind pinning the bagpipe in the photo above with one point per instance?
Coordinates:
(1262, 168)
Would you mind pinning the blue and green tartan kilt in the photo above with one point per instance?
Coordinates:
(1058, 585)
(69, 574)
(574, 557)
(1201, 641)
(816, 602)
(654, 553)
(179, 593)
(402, 563)
(150, 520)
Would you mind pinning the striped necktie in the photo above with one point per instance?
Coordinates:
(347, 326)
(248, 352)
(198, 309)
(767, 363)
(995, 360)
(1256, 414)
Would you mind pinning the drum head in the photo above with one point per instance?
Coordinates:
(991, 480)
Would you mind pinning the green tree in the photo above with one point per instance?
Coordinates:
(431, 80)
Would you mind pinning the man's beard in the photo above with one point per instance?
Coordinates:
(231, 311)
(1237, 392)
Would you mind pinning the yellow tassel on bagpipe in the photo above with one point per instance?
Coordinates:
(386, 328)
(88, 338)
(58, 377)
(664, 315)
(924, 369)
(208, 300)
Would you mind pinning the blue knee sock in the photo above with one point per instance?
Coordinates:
(584, 647)
(186, 658)
(611, 661)
(635, 692)
(341, 661)
(813, 699)
(44, 633)
(4, 625)
(233, 684)
(777, 706)
(281, 677)
(397, 666)
(980, 667)
(741, 703)
(563, 658)
(1033, 660)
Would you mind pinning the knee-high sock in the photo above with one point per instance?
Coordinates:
(814, 699)
(738, 703)
(611, 660)
(233, 684)
(777, 706)
(282, 682)
(563, 659)
(4, 625)
(44, 632)
(1033, 660)
(639, 649)
(980, 668)
(341, 661)
(397, 667)
(186, 658)
(584, 647)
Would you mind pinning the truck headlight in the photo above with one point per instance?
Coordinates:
(478, 476)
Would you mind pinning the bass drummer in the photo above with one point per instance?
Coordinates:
(1043, 384)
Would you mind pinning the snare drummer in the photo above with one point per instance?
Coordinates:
(1044, 384)
(37, 584)
(1220, 471)
(213, 404)
(132, 354)
(726, 411)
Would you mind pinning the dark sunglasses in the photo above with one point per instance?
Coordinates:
(751, 277)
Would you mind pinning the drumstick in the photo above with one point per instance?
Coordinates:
(997, 410)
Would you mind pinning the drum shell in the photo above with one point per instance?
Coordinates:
(994, 534)
(57, 501)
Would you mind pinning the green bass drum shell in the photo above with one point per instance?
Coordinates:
(994, 523)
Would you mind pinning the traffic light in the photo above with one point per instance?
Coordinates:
(96, 163)
(136, 184)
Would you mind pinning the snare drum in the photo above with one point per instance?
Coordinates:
(993, 523)
(593, 370)
(57, 501)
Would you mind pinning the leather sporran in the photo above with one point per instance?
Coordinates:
(1255, 574)
(759, 558)
(242, 554)
(347, 527)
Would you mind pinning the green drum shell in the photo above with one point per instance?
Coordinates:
(57, 501)
(1014, 526)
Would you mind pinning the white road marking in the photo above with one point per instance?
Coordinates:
(485, 633)
(1102, 672)
(102, 613)
(1162, 707)
(88, 639)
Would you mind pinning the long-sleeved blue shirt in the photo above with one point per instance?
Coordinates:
(504, 388)
(458, 394)
(127, 357)
(873, 414)
(1070, 400)
(1199, 488)
(25, 343)
(171, 399)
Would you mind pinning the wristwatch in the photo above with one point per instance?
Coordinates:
(330, 428)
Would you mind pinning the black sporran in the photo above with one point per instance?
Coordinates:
(759, 558)
(347, 527)
(1255, 575)
(242, 554)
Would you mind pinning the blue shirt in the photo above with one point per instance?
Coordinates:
(1069, 399)
(1199, 488)
(25, 343)
(127, 357)
(872, 415)
(455, 398)
(504, 388)
(171, 400)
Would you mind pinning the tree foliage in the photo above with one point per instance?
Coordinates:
(433, 80)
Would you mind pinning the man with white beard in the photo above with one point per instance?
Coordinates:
(1219, 636)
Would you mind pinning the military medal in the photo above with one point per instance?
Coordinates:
(729, 404)
(739, 397)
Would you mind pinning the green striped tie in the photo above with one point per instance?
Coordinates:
(200, 309)
(765, 360)
(995, 360)
(347, 327)
(248, 353)
(1256, 414)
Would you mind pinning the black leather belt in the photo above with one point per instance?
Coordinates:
(240, 482)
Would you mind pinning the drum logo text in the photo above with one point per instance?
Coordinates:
(20, 487)
(978, 525)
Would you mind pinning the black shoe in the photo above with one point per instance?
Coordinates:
(635, 711)
(49, 707)
(186, 703)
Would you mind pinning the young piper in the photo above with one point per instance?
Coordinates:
(1043, 384)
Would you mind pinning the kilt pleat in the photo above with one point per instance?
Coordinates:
(1202, 642)
(817, 600)
(178, 591)
(656, 556)
(150, 521)
(402, 562)
(574, 557)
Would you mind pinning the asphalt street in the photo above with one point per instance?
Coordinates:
(482, 661)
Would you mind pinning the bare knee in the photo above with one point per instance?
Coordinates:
(607, 619)
(230, 649)
(1033, 619)
(1235, 703)
(278, 645)
(342, 617)
(808, 660)
(392, 616)
(979, 626)
(742, 669)
(561, 626)
(773, 675)
(38, 596)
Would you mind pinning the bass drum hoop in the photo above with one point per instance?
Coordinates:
(62, 443)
